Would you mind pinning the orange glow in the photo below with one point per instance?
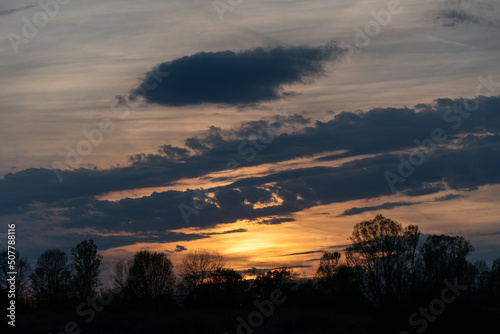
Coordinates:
(318, 229)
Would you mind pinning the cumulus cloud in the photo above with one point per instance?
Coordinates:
(234, 78)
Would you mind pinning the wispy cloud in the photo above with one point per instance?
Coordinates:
(10, 11)
(385, 206)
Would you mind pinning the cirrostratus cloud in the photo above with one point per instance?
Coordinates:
(234, 78)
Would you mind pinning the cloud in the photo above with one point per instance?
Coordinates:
(234, 78)
(239, 230)
(462, 12)
(455, 17)
(385, 206)
(486, 234)
(448, 197)
(178, 249)
(111, 241)
(299, 189)
(10, 11)
(169, 164)
(304, 253)
(275, 220)
(371, 143)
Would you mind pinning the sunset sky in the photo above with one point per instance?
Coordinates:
(264, 130)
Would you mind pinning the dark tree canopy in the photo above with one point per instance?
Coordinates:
(151, 275)
(225, 276)
(86, 264)
(445, 256)
(387, 254)
(51, 278)
(328, 264)
(23, 271)
(198, 265)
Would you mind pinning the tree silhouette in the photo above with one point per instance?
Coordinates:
(340, 282)
(225, 289)
(198, 265)
(387, 255)
(51, 278)
(120, 273)
(445, 257)
(494, 282)
(328, 265)
(151, 276)
(225, 276)
(23, 271)
(86, 264)
(282, 279)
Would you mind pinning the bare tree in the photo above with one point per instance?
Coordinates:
(22, 269)
(51, 278)
(151, 275)
(328, 264)
(339, 281)
(388, 256)
(120, 273)
(198, 265)
(225, 276)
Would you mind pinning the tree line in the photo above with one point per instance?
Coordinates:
(386, 267)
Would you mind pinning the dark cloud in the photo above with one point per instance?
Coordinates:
(295, 266)
(453, 17)
(462, 12)
(111, 241)
(425, 189)
(239, 230)
(304, 253)
(275, 221)
(313, 260)
(234, 78)
(486, 234)
(178, 249)
(385, 206)
(448, 197)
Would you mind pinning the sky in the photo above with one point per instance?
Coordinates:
(264, 130)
